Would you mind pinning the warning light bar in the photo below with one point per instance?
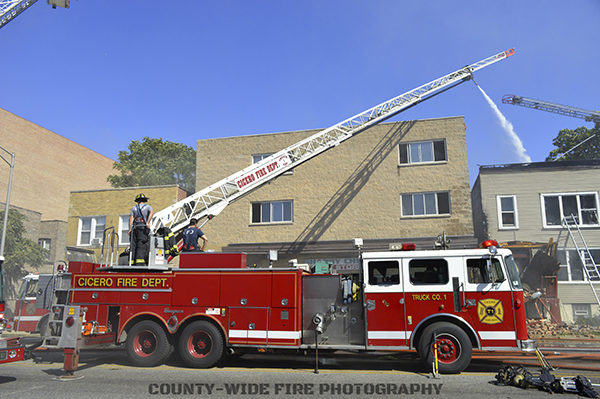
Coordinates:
(402, 246)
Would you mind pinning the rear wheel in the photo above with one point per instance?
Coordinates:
(454, 347)
(147, 344)
(201, 344)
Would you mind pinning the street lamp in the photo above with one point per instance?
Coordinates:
(10, 175)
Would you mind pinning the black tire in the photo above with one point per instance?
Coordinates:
(147, 344)
(201, 344)
(454, 347)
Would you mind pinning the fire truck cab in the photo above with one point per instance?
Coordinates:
(464, 298)
(401, 300)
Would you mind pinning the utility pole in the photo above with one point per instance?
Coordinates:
(6, 206)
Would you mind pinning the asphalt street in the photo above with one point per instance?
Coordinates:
(108, 373)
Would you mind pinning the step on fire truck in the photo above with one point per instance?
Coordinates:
(212, 303)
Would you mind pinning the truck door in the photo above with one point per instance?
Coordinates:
(26, 315)
(384, 301)
(489, 301)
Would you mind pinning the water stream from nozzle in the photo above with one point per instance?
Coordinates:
(508, 128)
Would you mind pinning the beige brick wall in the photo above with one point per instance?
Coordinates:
(47, 167)
(352, 190)
(112, 203)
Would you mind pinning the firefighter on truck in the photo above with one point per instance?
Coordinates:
(212, 305)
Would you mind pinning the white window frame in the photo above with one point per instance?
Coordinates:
(501, 225)
(271, 212)
(578, 312)
(426, 215)
(123, 225)
(433, 161)
(93, 224)
(568, 252)
(45, 243)
(268, 154)
(560, 207)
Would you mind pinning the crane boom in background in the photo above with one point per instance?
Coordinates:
(590, 116)
(211, 200)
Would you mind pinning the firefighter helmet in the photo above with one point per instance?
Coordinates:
(141, 198)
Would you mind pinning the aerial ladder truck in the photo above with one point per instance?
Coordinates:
(212, 303)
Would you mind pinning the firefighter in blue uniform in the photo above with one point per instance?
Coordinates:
(139, 230)
(191, 236)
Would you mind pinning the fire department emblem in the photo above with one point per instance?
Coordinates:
(490, 311)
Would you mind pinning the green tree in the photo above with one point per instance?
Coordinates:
(154, 162)
(19, 252)
(567, 139)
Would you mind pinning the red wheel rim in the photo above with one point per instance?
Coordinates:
(144, 343)
(199, 344)
(448, 348)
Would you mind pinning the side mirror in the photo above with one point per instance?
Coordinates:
(488, 271)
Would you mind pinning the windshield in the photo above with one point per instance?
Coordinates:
(513, 272)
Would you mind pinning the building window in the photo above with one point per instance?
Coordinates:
(384, 272)
(425, 204)
(273, 211)
(91, 230)
(428, 271)
(571, 267)
(259, 157)
(584, 206)
(124, 230)
(507, 212)
(45, 243)
(423, 152)
(581, 310)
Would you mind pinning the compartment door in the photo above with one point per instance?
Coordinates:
(384, 301)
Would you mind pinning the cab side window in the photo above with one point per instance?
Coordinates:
(32, 286)
(477, 274)
(384, 272)
(428, 271)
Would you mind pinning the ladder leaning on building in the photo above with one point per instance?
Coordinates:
(590, 268)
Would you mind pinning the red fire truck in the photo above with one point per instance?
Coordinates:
(212, 303)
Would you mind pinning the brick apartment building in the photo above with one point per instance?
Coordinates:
(395, 181)
(47, 168)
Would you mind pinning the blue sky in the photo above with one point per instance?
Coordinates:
(103, 73)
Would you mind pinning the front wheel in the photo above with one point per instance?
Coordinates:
(201, 344)
(147, 344)
(454, 348)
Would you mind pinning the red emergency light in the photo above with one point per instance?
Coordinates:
(488, 243)
(408, 246)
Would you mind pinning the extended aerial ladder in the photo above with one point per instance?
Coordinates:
(10, 9)
(211, 200)
(590, 116)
